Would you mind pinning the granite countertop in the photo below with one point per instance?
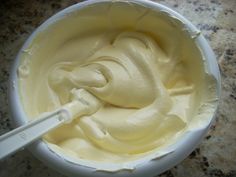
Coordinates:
(214, 157)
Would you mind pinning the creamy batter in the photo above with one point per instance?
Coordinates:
(148, 77)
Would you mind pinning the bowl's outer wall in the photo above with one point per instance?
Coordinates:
(152, 168)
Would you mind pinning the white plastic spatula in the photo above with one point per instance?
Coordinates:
(83, 103)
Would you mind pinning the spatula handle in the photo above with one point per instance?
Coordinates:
(20, 137)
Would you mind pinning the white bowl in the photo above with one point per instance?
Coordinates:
(185, 145)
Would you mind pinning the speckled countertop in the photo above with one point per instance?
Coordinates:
(215, 156)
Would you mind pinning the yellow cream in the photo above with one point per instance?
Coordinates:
(144, 68)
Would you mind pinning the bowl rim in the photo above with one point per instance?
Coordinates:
(153, 167)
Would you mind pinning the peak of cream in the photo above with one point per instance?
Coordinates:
(149, 79)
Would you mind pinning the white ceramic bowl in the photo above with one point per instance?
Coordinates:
(185, 146)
